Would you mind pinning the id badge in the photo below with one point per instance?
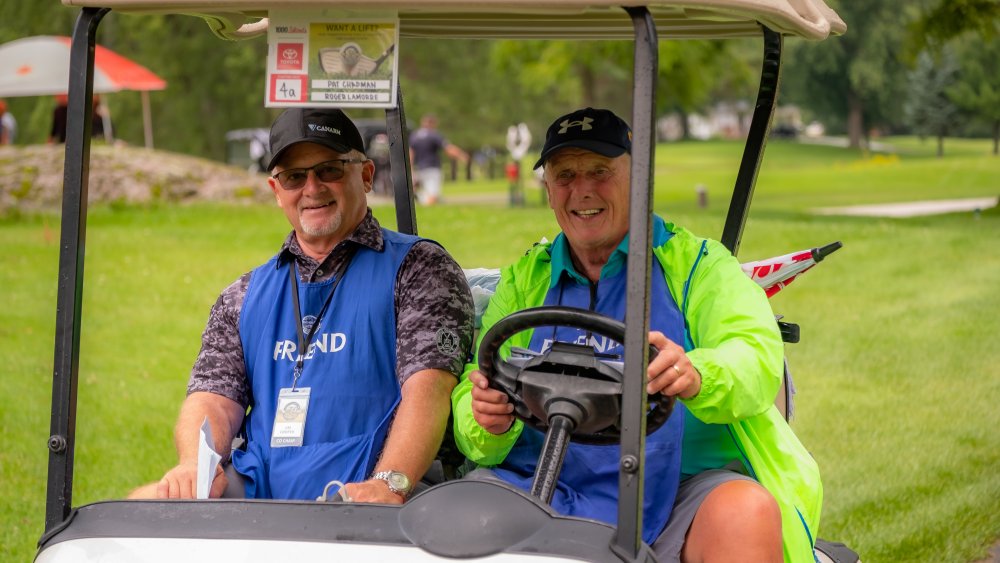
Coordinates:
(290, 418)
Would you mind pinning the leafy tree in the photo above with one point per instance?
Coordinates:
(213, 86)
(695, 73)
(951, 18)
(461, 81)
(599, 74)
(570, 73)
(978, 92)
(972, 29)
(928, 108)
(854, 81)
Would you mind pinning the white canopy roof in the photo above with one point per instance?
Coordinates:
(553, 19)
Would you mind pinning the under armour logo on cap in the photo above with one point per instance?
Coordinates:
(583, 123)
(596, 130)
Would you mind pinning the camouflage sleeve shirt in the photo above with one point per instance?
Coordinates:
(434, 314)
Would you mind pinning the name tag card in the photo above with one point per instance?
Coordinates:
(319, 59)
(290, 417)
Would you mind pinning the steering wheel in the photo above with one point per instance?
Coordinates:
(569, 379)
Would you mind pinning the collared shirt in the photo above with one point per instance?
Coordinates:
(431, 295)
(562, 262)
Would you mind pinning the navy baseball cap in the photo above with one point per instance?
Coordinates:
(597, 130)
(328, 127)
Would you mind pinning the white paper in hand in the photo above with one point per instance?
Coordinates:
(208, 460)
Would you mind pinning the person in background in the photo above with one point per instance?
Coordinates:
(60, 115)
(8, 125)
(426, 144)
(57, 133)
(100, 121)
(378, 151)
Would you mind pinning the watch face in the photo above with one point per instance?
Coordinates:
(399, 481)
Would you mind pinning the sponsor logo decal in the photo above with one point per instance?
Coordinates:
(289, 56)
(291, 411)
(307, 323)
(447, 342)
(323, 128)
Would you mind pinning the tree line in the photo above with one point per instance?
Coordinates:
(926, 67)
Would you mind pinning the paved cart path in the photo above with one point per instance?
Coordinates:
(994, 555)
(913, 208)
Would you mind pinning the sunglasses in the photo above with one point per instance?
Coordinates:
(328, 171)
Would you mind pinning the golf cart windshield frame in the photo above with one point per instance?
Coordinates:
(61, 442)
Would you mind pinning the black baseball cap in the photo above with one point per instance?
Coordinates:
(323, 126)
(597, 130)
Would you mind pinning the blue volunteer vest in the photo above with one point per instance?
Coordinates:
(588, 482)
(350, 368)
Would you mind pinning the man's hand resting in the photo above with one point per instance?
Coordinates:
(182, 482)
(372, 490)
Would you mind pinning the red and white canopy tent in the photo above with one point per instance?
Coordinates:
(39, 66)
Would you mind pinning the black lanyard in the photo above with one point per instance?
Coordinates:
(305, 339)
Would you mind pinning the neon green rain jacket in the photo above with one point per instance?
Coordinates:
(737, 350)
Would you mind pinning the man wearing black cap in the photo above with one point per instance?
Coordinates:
(335, 359)
(745, 489)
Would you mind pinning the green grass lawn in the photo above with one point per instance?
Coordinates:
(897, 371)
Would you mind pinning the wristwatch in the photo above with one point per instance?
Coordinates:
(398, 482)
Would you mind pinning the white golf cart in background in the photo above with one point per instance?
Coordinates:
(456, 519)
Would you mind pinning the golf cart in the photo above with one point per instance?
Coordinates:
(456, 519)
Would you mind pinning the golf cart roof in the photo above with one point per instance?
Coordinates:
(523, 19)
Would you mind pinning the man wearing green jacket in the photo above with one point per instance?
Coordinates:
(745, 489)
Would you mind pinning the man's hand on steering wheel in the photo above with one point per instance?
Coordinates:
(671, 372)
(490, 407)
